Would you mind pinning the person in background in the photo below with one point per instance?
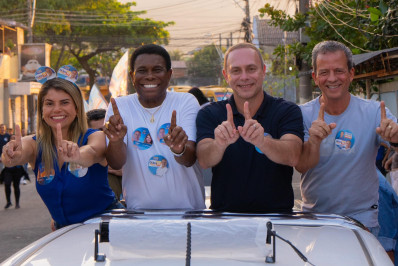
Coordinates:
(149, 111)
(388, 218)
(252, 140)
(4, 138)
(382, 153)
(12, 175)
(203, 101)
(95, 120)
(67, 157)
(10, 131)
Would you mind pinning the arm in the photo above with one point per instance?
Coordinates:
(388, 129)
(286, 150)
(177, 140)
(115, 172)
(19, 151)
(115, 130)
(189, 156)
(319, 130)
(210, 151)
(94, 151)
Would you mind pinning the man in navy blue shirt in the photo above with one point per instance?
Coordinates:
(251, 141)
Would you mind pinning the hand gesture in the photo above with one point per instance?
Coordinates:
(176, 138)
(115, 129)
(226, 133)
(388, 129)
(68, 151)
(252, 131)
(319, 129)
(12, 151)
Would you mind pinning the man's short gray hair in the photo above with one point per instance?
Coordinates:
(330, 47)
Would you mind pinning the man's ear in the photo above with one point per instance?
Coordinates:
(224, 73)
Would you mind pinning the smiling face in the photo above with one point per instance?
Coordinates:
(244, 73)
(2, 129)
(58, 107)
(150, 79)
(148, 139)
(333, 76)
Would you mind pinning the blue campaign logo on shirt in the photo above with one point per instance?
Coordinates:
(257, 149)
(345, 140)
(163, 131)
(43, 178)
(158, 165)
(142, 139)
(77, 170)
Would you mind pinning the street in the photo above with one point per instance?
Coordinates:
(20, 227)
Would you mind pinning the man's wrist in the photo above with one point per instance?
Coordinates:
(181, 153)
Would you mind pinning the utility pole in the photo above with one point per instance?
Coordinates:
(305, 89)
(247, 24)
(31, 18)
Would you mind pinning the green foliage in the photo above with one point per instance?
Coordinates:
(362, 25)
(87, 29)
(176, 55)
(205, 63)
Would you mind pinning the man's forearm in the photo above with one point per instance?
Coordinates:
(286, 150)
(116, 154)
(209, 153)
(309, 157)
(188, 158)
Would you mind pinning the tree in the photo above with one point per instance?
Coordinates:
(87, 28)
(207, 65)
(363, 26)
(176, 55)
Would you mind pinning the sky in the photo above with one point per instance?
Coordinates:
(200, 22)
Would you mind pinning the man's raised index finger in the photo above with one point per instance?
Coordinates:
(173, 122)
(246, 111)
(321, 114)
(383, 110)
(114, 107)
(230, 115)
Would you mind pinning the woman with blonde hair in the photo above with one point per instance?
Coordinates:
(67, 157)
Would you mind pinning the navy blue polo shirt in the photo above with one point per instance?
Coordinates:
(4, 139)
(245, 180)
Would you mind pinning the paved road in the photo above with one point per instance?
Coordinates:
(20, 227)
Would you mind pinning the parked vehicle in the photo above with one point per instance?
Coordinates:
(206, 237)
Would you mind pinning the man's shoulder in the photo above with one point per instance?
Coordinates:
(309, 105)
(281, 105)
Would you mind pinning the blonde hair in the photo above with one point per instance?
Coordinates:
(242, 46)
(45, 139)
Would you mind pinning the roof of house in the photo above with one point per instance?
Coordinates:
(178, 64)
(267, 35)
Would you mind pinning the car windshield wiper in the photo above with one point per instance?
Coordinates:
(272, 234)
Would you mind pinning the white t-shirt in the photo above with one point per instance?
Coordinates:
(145, 184)
(345, 180)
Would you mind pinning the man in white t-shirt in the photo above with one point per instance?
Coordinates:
(161, 174)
